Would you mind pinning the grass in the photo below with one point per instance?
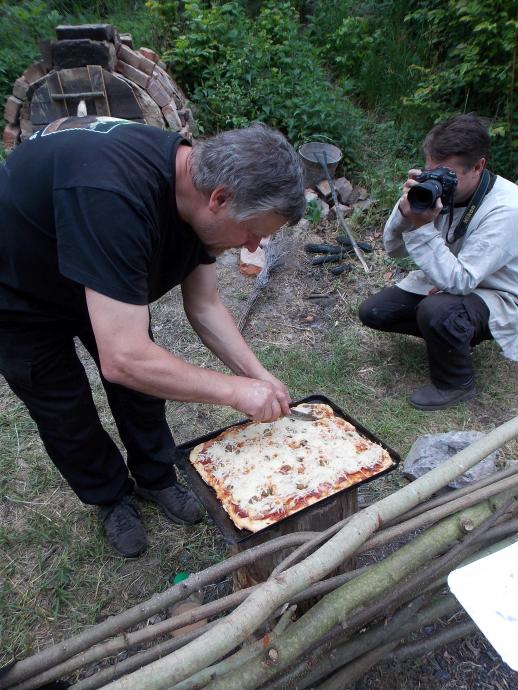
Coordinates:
(58, 576)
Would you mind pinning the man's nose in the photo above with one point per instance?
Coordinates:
(252, 243)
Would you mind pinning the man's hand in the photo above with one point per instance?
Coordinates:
(260, 400)
(416, 219)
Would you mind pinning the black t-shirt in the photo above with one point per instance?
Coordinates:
(90, 202)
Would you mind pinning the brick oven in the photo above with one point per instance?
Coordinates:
(91, 69)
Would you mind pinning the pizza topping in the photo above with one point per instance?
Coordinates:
(309, 461)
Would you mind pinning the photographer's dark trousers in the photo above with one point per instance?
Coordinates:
(449, 324)
(42, 368)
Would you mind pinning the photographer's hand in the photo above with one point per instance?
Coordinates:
(417, 219)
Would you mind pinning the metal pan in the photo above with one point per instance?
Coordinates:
(231, 534)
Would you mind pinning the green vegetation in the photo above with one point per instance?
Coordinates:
(373, 77)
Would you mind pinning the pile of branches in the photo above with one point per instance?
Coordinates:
(362, 617)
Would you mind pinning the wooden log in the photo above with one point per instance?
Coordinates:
(316, 518)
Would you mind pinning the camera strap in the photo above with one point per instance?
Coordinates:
(485, 185)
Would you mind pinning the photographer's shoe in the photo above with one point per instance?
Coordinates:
(123, 528)
(432, 398)
(178, 503)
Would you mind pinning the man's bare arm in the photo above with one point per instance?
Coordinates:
(130, 358)
(218, 331)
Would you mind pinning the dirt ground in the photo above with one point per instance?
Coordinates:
(304, 312)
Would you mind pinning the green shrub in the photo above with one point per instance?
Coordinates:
(474, 44)
(22, 25)
(237, 69)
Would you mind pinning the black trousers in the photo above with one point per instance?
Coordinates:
(42, 368)
(449, 324)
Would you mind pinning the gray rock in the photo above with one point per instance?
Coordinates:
(431, 450)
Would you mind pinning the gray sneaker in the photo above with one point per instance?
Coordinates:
(123, 528)
(431, 398)
(178, 503)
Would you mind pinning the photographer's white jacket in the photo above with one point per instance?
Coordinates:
(484, 261)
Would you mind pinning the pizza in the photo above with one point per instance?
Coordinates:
(264, 472)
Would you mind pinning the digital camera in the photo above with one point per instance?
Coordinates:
(432, 185)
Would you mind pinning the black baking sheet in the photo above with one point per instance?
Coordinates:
(231, 534)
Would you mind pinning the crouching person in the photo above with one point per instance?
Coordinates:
(459, 223)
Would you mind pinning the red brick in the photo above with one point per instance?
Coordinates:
(171, 116)
(34, 72)
(129, 56)
(20, 88)
(12, 110)
(157, 91)
(133, 74)
(11, 136)
(149, 54)
(26, 129)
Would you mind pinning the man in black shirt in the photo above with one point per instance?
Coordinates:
(99, 217)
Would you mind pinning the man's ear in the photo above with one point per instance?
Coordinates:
(219, 200)
(480, 165)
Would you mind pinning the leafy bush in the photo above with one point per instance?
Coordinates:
(474, 44)
(421, 61)
(21, 26)
(237, 69)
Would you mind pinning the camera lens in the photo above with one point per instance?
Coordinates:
(424, 195)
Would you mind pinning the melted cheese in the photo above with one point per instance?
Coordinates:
(263, 468)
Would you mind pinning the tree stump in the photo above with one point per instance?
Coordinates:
(317, 518)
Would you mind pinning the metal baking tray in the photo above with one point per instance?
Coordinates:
(231, 534)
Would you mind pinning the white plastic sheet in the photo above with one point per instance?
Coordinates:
(488, 591)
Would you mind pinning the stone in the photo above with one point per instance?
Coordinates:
(346, 211)
(12, 110)
(429, 451)
(324, 209)
(343, 189)
(20, 88)
(82, 52)
(310, 195)
(324, 189)
(358, 194)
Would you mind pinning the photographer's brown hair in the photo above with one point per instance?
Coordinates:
(464, 136)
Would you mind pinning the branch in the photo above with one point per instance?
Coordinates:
(236, 627)
(335, 607)
(50, 657)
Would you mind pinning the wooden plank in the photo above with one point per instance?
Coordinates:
(101, 105)
(121, 99)
(43, 108)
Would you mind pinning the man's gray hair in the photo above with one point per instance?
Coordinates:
(257, 167)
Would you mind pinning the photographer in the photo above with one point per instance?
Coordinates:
(466, 288)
